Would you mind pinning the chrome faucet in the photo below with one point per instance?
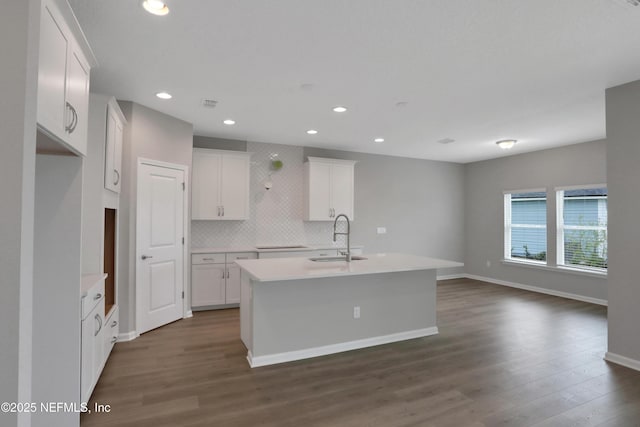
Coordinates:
(348, 234)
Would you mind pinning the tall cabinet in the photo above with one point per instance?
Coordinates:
(329, 188)
(100, 224)
(64, 63)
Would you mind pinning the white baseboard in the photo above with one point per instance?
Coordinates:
(289, 356)
(189, 314)
(539, 290)
(127, 336)
(623, 361)
(451, 276)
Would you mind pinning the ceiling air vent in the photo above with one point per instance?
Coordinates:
(446, 141)
(209, 103)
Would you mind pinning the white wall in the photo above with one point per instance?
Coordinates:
(19, 39)
(484, 185)
(623, 173)
(152, 135)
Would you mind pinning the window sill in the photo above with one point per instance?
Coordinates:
(555, 268)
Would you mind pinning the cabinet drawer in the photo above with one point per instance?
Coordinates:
(207, 259)
(231, 257)
(94, 295)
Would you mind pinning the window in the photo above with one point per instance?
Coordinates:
(582, 227)
(525, 226)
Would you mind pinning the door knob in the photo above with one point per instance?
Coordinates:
(146, 257)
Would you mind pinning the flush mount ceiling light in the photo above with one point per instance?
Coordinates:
(378, 140)
(156, 7)
(339, 109)
(312, 131)
(164, 95)
(229, 122)
(506, 144)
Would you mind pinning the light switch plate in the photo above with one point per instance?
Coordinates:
(382, 230)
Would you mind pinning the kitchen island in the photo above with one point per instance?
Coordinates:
(296, 308)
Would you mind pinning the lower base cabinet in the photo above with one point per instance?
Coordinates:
(215, 279)
(98, 337)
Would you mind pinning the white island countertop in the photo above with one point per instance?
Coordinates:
(279, 269)
(273, 248)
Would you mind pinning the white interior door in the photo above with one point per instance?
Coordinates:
(160, 251)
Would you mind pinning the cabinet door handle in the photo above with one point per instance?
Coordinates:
(224, 274)
(74, 119)
(113, 340)
(68, 127)
(227, 274)
(242, 257)
(97, 297)
(146, 257)
(219, 211)
(208, 259)
(99, 320)
(117, 177)
(223, 210)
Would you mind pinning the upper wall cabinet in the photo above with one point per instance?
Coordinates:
(220, 188)
(328, 188)
(113, 146)
(63, 76)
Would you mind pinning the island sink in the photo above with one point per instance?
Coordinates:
(335, 258)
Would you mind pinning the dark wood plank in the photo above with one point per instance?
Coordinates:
(504, 357)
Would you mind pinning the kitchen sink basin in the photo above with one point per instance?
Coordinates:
(335, 258)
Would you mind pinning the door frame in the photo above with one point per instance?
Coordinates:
(186, 312)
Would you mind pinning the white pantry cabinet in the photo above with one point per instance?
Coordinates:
(113, 146)
(63, 77)
(220, 189)
(329, 188)
(215, 279)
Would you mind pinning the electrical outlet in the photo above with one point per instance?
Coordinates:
(356, 312)
(382, 230)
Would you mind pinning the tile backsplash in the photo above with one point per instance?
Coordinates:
(275, 214)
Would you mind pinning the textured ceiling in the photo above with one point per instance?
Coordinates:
(475, 71)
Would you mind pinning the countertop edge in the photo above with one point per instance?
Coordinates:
(88, 281)
(334, 274)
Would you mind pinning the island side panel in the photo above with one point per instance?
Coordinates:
(246, 304)
(297, 315)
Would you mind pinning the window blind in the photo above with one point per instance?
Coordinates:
(582, 228)
(526, 226)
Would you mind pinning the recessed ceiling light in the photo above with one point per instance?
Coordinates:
(164, 95)
(339, 109)
(378, 140)
(312, 131)
(229, 122)
(506, 144)
(156, 7)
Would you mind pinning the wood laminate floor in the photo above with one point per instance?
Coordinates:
(504, 357)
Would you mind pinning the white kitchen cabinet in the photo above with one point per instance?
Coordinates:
(215, 279)
(92, 336)
(113, 146)
(63, 77)
(232, 285)
(220, 189)
(208, 284)
(329, 188)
